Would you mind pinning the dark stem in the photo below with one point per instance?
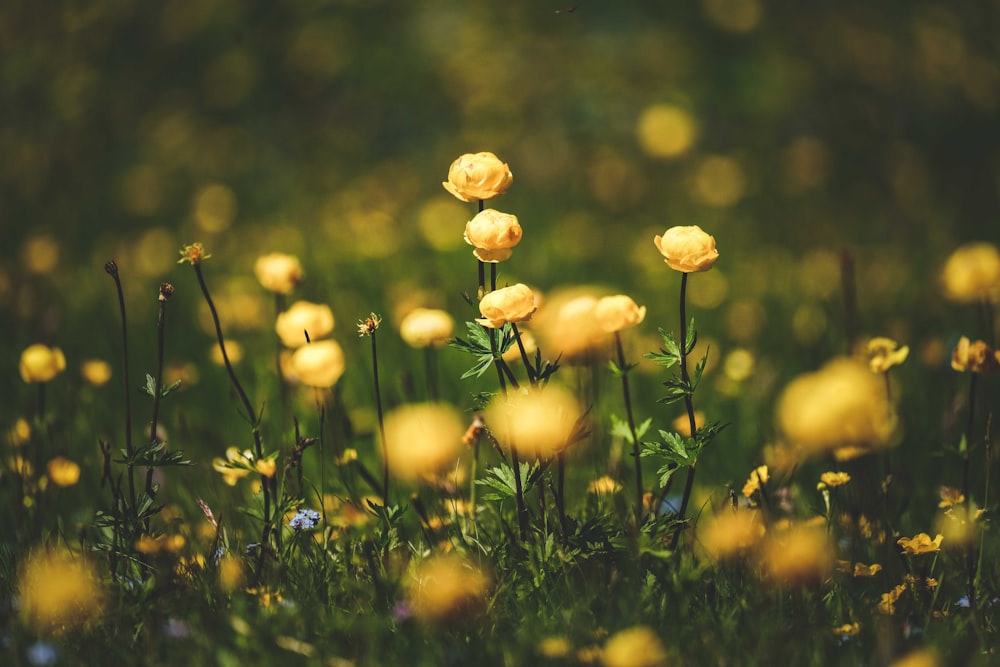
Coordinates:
(532, 377)
(689, 404)
(381, 423)
(522, 510)
(970, 552)
(493, 276)
(112, 270)
(160, 326)
(639, 489)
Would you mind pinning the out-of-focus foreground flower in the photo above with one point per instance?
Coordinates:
(422, 439)
(59, 591)
(618, 312)
(301, 318)
(445, 589)
(278, 272)
(535, 422)
(425, 327)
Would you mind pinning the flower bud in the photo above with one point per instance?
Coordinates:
(618, 312)
(493, 234)
(687, 249)
(424, 327)
(319, 364)
(476, 176)
(40, 363)
(303, 318)
(278, 273)
(509, 304)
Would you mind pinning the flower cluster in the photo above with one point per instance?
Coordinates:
(304, 519)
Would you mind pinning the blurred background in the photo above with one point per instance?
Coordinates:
(805, 136)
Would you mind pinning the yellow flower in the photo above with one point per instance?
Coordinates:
(230, 573)
(884, 353)
(425, 327)
(59, 590)
(887, 605)
(235, 466)
(278, 272)
(492, 234)
(687, 249)
(266, 467)
(682, 424)
(797, 556)
(615, 313)
(535, 422)
(604, 486)
(304, 317)
(842, 405)
(972, 273)
(832, 479)
(567, 326)
(41, 363)
(950, 496)
(554, 648)
(862, 570)
(758, 476)
(635, 647)
(918, 658)
(977, 357)
(731, 534)
(63, 472)
(193, 253)
(96, 372)
(475, 176)
(319, 364)
(847, 630)
(422, 439)
(446, 588)
(509, 304)
(920, 544)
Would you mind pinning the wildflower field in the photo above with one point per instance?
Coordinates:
(625, 334)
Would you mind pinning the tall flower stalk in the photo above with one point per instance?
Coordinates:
(368, 327)
(111, 268)
(165, 292)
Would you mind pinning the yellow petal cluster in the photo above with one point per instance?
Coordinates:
(972, 273)
(509, 304)
(843, 405)
(634, 647)
(41, 363)
(731, 534)
(278, 272)
(832, 479)
(422, 439)
(493, 234)
(977, 357)
(921, 543)
(303, 317)
(884, 353)
(618, 312)
(318, 364)
(687, 249)
(426, 327)
(800, 555)
(63, 472)
(475, 176)
(444, 589)
(535, 422)
(59, 590)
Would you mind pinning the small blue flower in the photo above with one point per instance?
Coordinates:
(304, 520)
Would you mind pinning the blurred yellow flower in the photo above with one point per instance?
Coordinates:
(537, 422)
(972, 273)
(847, 630)
(426, 327)
(638, 646)
(687, 249)
(730, 534)
(950, 496)
(230, 573)
(604, 486)
(758, 476)
(682, 424)
(841, 405)
(193, 253)
(278, 272)
(509, 304)
(884, 353)
(41, 363)
(492, 234)
(63, 472)
(266, 467)
(567, 326)
(422, 439)
(475, 176)
(554, 648)
(235, 466)
(20, 433)
(318, 364)
(919, 658)
(95, 372)
(59, 590)
(304, 317)
(665, 131)
(920, 543)
(862, 570)
(800, 555)
(887, 604)
(234, 350)
(618, 312)
(832, 479)
(976, 357)
(444, 589)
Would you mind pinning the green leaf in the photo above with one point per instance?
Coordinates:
(691, 339)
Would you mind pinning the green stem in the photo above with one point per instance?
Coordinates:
(381, 421)
(689, 404)
(639, 488)
(165, 292)
(970, 552)
(522, 510)
(112, 269)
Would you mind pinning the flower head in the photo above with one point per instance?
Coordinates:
(615, 313)
(235, 466)
(318, 364)
(977, 357)
(422, 439)
(41, 363)
(797, 556)
(731, 534)
(687, 249)
(832, 479)
(369, 325)
(476, 176)
(493, 234)
(920, 543)
(278, 272)
(536, 423)
(972, 273)
(59, 590)
(446, 588)
(63, 472)
(193, 253)
(426, 327)
(509, 304)
(884, 353)
(634, 647)
(304, 519)
(301, 319)
(95, 371)
(605, 485)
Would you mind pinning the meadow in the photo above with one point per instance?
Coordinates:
(355, 333)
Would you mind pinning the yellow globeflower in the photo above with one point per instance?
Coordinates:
(509, 304)
(63, 472)
(445, 589)
(615, 313)
(319, 364)
(535, 422)
(278, 272)
(635, 647)
(972, 273)
(41, 363)
(476, 176)
(567, 326)
(304, 317)
(96, 372)
(800, 555)
(59, 590)
(832, 479)
(920, 543)
(492, 234)
(884, 353)
(687, 249)
(423, 439)
(731, 534)
(426, 327)
(977, 357)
